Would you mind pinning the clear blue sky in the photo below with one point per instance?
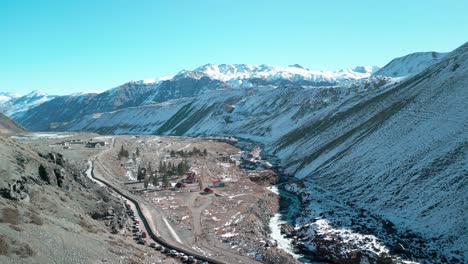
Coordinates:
(68, 46)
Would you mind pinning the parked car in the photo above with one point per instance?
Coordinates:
(158, 247)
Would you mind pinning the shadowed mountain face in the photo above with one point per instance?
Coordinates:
(63, 109)
(9, 126)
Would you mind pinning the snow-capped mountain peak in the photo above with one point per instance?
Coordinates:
(237, 74)
(35, 93)
(7, 96)
(20, 104)
(155, 80)
(366, 69)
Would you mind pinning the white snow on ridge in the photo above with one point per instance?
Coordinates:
(236, 74)
(14, 105)
(156, 80)
(410, 64)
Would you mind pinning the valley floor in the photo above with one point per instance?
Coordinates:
(229, 224)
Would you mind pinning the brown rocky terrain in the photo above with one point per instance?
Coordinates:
(50, 212)
(9, 126)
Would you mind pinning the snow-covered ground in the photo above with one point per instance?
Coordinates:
(275, 227)
(37, 136)
(16, 105)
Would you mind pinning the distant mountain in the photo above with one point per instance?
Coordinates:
(46, 117)
(16, 106)
(410, 64)
(185, 84)
(9, 126)
(4, 97)
(243, 75)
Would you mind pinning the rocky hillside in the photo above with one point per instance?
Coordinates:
(9, 126)
(398, 153)
(50, 212)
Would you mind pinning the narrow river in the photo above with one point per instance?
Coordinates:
(290, 206)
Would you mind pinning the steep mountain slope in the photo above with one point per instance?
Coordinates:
(399, 154)
(16, 106)
(9, 126)
(410, 64)
(46, 116)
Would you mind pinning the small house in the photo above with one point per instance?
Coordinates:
(95, 144)
(191, 177)
(218, 183)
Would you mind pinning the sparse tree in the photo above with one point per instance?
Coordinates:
(155, 179)
(200, 184)
(165, 179)
(169, 170)
(146, 182)
(163, 167)
(195, 150)
(149, 170)
(141, 173)
(123, 153)
(137, 152)
(173, 154)
(205, 152)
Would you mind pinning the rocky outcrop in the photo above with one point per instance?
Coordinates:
(16, 190)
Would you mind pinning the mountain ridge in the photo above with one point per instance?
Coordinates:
(410, 64)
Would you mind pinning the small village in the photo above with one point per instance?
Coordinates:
(199, 193)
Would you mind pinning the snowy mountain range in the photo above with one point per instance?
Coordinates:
(243, 75)
(4, 97)
(384, 143)
(12, 104)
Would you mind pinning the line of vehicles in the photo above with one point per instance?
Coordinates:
(140, 237)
